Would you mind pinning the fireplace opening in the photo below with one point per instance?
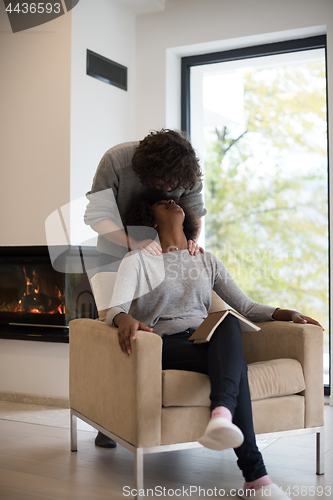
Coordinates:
(36, 301)
(32, 289)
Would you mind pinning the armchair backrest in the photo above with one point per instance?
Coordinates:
(103, 285)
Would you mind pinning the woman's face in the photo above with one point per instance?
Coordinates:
(167, 211)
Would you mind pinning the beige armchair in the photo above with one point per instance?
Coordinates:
(147, 410)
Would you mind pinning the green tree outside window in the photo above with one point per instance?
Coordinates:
(266, 221)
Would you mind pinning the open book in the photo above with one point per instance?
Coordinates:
(204, 332)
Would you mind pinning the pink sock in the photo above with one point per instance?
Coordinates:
(222, 411)
(258, 483)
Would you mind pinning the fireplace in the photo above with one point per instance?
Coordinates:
(36, 301)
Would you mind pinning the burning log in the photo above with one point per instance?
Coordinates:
(34, 300)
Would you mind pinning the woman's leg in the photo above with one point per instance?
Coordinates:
(222, 359)
(179, 353)
(228, 375)
(225, 361)
(250, 460)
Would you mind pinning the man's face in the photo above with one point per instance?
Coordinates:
(163, 186)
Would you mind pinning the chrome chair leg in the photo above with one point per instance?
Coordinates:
(73, 424)
(138, 468)
(320, 452)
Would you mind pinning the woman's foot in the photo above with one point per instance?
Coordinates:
(257, 483)
(221, 434)
(269, 492)
(103, 441)
(222, 411)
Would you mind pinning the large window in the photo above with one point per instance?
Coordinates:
(257, 118)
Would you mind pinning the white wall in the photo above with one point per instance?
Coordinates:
(56, 123)
(35, 126)
(38, 368)
(102, 115)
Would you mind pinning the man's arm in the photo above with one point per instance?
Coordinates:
(192, 245)
(109, 230)
(193, 197)
(199, 229)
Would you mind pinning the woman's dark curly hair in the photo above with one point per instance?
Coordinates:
(140, 213)
(167, 156)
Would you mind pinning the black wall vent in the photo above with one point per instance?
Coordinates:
(106, 70)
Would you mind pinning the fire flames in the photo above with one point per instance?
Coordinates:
(35, 300)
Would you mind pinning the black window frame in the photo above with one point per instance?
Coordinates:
(269, 49)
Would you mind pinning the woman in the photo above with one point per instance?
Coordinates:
(178, 301)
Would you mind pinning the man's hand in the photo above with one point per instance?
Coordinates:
(147, 246)
(194, 248)
(127, 329)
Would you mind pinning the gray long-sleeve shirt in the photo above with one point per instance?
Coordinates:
(114, 186)
(172, 292)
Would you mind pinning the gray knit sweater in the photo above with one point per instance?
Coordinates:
(172, 292)
(114, 186)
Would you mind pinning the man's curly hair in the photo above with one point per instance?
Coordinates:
(140, 213)
(167, 156)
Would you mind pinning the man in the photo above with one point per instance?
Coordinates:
(163, 163)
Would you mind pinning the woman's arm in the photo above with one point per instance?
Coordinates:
(125, 290)
(225, 286)
(230, 292)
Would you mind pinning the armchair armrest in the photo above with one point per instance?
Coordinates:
(122, 394)
(280, 339)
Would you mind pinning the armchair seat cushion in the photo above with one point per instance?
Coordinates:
(267, 379)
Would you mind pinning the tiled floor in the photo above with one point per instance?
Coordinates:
(36, 464)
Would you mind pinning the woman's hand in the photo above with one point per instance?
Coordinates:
(194, 248)
(300, 318)
(295, 316)
(127, 328)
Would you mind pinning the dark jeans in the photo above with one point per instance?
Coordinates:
(221, 359)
